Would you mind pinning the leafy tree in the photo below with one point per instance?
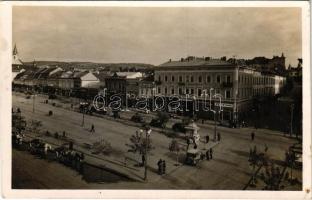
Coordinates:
(18, 123)
(138, 143)
(102, 146)
(35, 126)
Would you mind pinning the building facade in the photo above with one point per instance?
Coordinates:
(202, 79)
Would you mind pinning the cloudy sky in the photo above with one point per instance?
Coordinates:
(154, 35)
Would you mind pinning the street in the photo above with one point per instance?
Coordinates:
(229, 168)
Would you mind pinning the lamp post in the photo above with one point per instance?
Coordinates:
(148, 131)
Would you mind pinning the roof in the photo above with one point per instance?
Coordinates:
(199, 62)
(102, 75)
(130, 75)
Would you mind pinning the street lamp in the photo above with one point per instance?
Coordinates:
(148, 131)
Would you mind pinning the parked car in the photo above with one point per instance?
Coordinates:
(193, 156)
(157, 123)
(178, 127)
(137, 118)
(228, 123)
(52, 96)
(146, 111)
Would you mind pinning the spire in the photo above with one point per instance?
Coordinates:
(283, 55)
(15, 50)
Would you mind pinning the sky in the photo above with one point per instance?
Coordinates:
(155, 35)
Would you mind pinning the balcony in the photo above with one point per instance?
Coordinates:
(227, 84)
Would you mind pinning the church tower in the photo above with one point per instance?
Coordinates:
(16, 61)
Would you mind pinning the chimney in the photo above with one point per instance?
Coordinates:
(182, 59)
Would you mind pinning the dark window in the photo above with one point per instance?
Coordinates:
(192, 91)
(199, 92)
(208, 79)
(180, 91)
(172, 91)
(172, 78)
(200, 79)
(218, 79)
(166, 78)
(228, 94)
(228, 79)
(159, 90)
(180, 78)
(192, 79)
(165, 90)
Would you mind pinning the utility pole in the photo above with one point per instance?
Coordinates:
(147, 134)
(34, 103)
(83, 115)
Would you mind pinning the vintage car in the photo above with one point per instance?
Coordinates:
(193, 156)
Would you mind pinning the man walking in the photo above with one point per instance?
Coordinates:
(207, 139)
(159, 164)
(207, 155)
(219, 137)
(210, 151)
(163, 167)
(143, 159)
(92, 128)
(252, 136)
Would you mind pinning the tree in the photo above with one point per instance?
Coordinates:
(18, 122)
(174, 146)
(35, 126)
(163, 118)
(102, 146)
(138, 143)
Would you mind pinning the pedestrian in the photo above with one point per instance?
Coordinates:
(195, 146)
(64, 134)
(207, 155)
(71, 106)
(252, 136)
(266, 148)
(203, 121)
(92, 128)
(188, 142)
(207, 139)
(163, 167)
(219, 137)
(143, 160)
(159, 164)
(210, 152)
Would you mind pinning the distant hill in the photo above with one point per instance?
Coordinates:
(91, 65)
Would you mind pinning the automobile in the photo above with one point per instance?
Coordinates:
(28, 97)
(193, 156)
(146, 111)
(228, 123)
(157, 123)
(178, 127)
(137, 118)
(52, 96)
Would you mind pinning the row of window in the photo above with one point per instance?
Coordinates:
(190, 78)
(191, 91)
(248, 92)
(256, 80)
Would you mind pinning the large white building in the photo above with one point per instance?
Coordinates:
(235, 83)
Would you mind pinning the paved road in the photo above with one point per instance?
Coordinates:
(228, 170)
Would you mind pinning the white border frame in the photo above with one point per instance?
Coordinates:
(5, 108)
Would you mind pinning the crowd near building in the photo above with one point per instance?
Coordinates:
(235, 81)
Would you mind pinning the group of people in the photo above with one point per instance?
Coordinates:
(161, 167)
